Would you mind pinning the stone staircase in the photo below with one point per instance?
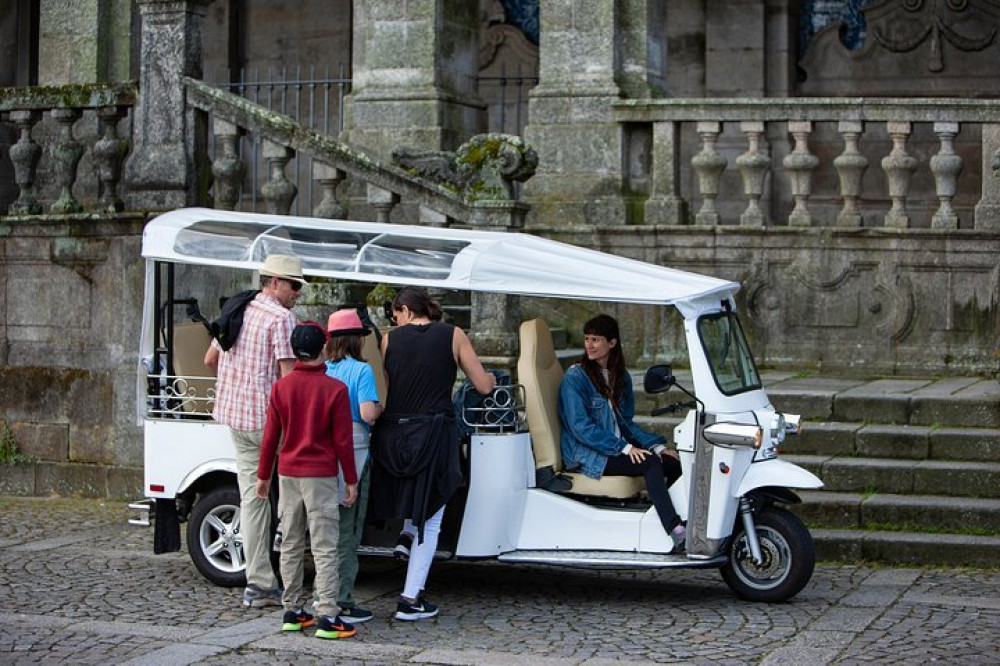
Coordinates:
(911, 467)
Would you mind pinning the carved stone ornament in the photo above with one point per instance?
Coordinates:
(933, 20)
(912, 47)
(483, 168)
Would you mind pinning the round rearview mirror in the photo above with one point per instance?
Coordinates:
(658, 378)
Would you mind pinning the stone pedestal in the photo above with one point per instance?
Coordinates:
(988, 208)
(496, 317)
(159, 173)
(588, 58)
(415, 72)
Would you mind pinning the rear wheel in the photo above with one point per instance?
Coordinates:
(214, 539)
(787, 553)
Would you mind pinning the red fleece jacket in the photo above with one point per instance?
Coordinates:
(313, 412)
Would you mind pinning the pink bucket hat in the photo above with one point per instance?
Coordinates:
(346, 322)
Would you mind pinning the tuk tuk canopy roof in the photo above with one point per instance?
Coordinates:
(462, 259)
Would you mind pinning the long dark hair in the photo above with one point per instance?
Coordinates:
(340, 347)
(614, 388)
(418, 301)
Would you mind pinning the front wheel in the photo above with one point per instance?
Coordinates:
(787, 553)
(214, 539)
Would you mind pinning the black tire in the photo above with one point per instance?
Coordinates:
(788, 558)
(213, 538)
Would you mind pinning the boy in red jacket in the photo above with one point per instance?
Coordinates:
(309, 414)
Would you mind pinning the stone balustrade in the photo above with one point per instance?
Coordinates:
(895, 163)
(476, 192)
(50, 158)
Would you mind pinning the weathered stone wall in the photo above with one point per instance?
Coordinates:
(860, 301)
(70, 314)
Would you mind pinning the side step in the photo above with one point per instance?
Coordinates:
(386, 551)
(610, 559)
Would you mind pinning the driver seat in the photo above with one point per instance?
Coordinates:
(539, 371)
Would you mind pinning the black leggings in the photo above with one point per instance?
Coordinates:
(659, 474)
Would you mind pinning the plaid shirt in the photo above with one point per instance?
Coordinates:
(249, 369)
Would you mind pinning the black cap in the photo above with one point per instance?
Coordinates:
(308, 340)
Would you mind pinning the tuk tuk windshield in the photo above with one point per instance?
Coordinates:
(728, 353)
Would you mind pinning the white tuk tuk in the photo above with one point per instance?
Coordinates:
(734, 488)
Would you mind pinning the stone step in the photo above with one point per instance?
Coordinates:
(836, 438)
(916, 513)
(952, 402)
(906, 548)
(901, 442)
(950, 478)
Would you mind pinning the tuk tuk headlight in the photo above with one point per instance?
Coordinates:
(733, 434)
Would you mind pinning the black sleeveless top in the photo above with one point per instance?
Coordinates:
(420, 365)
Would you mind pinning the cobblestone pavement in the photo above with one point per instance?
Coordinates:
(80, 586)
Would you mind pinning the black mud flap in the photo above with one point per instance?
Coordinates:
(166, 527)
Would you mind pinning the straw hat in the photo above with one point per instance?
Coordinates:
(284, 267)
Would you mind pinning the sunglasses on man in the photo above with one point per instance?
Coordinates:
(295, 286)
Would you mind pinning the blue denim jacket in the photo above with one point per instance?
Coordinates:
(588, 425)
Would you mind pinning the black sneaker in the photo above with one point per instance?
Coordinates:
(421, 610)
(403, 545)
(355, 615)
(334, 627)
(296, 620)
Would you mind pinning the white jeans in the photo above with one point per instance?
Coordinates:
(421, 555)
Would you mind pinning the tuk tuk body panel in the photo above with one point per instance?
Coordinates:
(777, 472)
(177, 453)
(554, 522)
(501, 466)
(728, 467)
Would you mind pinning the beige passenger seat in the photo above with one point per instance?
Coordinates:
(539, 371)
(191, 341)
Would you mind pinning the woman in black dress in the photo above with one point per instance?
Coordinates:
(415, 444)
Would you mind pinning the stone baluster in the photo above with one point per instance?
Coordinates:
(383, 201)
(800, 164)
(25, 155)
(899, 167)
(753, 165)
(109, 153)
(328, 178)
(66, 154)
(278, 192)
(946, 166)
(228, 167)
(851, 166)
(709, 165)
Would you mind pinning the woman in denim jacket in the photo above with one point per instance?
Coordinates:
(599, 437)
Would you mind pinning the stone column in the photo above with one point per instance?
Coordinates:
(160, 172)
(414, 76)
(497, 317)
(582, 56)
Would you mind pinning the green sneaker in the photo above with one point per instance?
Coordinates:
(296, 620)
(334, 627)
